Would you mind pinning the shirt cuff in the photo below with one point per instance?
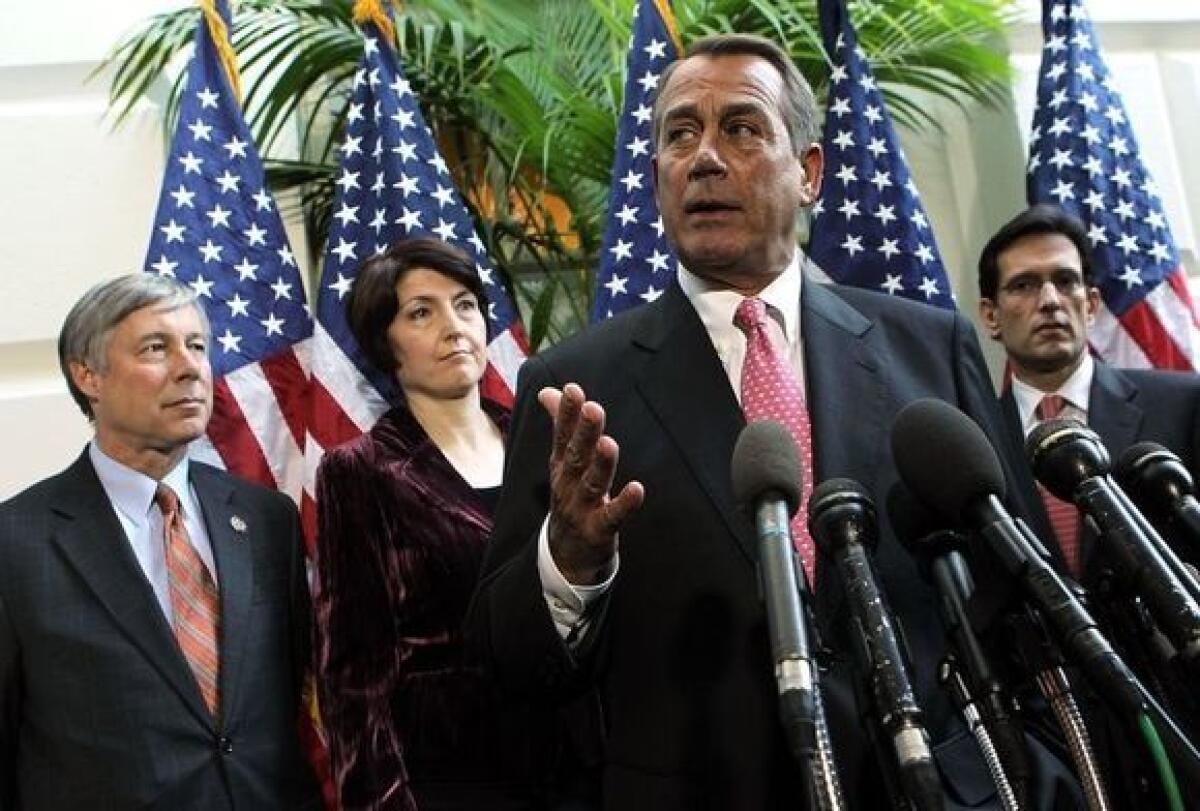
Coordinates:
(568, 603)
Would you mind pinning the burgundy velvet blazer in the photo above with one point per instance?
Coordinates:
(411, 718)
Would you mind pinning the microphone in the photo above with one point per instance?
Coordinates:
(766, 481)
(1160, 484)
(930, 436)
(938, 552)
(841, 518)
(1072, 463)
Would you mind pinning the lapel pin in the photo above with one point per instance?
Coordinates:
(238, 523)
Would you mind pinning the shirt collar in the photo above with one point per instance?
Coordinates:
(131, 491)
(1076, 389)
(716, 305)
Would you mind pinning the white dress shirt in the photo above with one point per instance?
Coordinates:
(716, 308)
(132, 495)
(1076, 390)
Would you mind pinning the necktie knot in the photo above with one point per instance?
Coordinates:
(1050, 407)
(751, 314)
(166, 499)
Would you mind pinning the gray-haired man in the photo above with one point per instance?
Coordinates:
(153, 612)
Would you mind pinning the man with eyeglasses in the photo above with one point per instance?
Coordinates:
(1037, 297)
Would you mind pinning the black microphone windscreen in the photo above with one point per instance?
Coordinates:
(1063, 453)
(1049, 434)
(765, 459)
(944, 457)
(1135, 456)
(835, 487)
(911, 520)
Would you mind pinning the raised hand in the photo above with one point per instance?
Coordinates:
(584, 518)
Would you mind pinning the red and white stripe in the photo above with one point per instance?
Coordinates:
(1162, 331)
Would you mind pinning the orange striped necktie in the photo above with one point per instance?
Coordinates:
(1064, 517)
(195, 601)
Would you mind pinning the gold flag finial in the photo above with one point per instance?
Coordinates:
(220, 35)
(373, 11)
(668, 18)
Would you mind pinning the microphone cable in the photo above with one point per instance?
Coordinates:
(952, 680)
(1056, 688)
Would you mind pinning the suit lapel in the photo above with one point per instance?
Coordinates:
(842, 377)
(685, 386)
(231, 531)
(91, 539)
(1029, 498)
(1111, 411)
(1113, 415)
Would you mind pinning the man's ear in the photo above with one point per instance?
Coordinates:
(1093, 304)
(812, 165)
(85, 379)
(987, 315)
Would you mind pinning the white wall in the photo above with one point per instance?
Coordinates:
(78, 198)
(971, 174)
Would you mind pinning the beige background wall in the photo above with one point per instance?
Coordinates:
(77, 198)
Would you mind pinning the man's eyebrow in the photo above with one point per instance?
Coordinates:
(741, 108)
(688, 110)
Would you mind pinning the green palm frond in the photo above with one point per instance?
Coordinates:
(524, 97)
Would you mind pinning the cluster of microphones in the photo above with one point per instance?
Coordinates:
(1132, 642)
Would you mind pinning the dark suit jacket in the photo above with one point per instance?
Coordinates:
(1127, 406)
(98, 708)
(680, 656)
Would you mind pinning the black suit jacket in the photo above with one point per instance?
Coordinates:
(98, 708)
(1126, 406)
(680, 655)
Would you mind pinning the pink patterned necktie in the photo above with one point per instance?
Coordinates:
(1064, 517)
(770, 391)
(195, 601)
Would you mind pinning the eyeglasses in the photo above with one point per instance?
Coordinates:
(1029, 285)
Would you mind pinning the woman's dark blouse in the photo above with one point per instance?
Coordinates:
(412, 721)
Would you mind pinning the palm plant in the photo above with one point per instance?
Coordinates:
(524, 95)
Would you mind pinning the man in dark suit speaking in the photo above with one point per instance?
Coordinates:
(624, 565)
(154, 616)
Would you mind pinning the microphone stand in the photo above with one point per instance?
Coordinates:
(1186, 576)
(869, 720)
(953, 580)
(788, 618)
(1044, 661)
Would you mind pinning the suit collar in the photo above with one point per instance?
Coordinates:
(90, 538)
(233, 532)
(1113, 412)
(843, 367)
(686, 388)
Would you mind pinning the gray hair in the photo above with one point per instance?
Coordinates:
(799, 108)
(89, 325)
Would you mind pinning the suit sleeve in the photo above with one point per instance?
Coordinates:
(360, 653)
(509, 622)
(10, 709)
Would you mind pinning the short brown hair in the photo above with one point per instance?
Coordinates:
(372, 305)
(1043, 218)
(799, 108)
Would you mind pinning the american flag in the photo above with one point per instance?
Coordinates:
(869, 228)
(218, 230)
(636, 262)
(392, 183)
(1083, 156)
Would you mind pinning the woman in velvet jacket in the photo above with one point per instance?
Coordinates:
(404, 514)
